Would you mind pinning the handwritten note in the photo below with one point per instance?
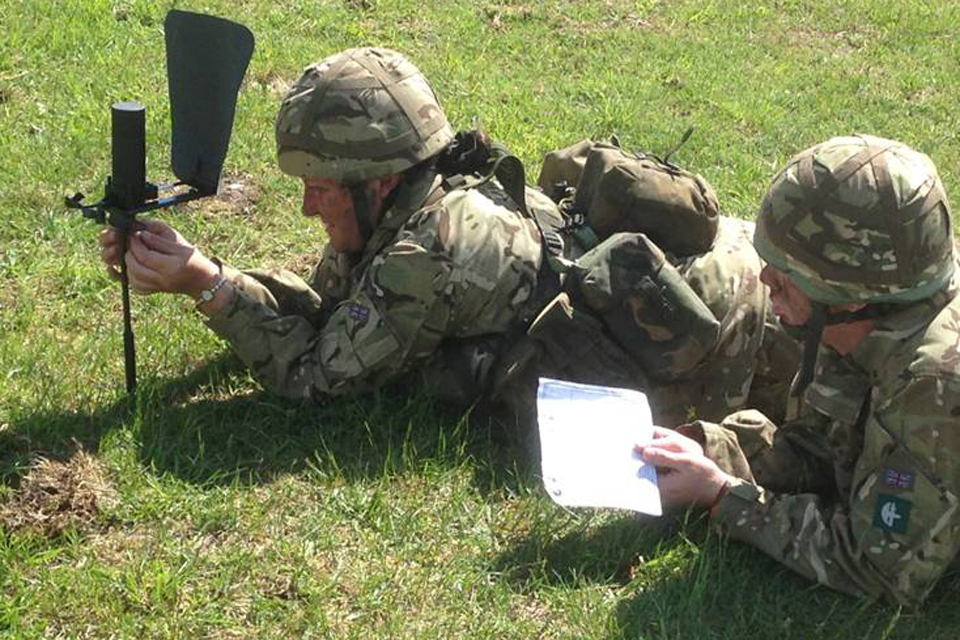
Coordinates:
(587, 433)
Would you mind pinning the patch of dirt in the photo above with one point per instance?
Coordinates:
(498, 15)
(362, 5)
(118, 546)
(239, 194)
(303, 264)
(55, 496)
(272, 82)
(569, 26)
(837, 43)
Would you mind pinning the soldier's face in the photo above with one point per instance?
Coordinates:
(790, 303)
(331, 202)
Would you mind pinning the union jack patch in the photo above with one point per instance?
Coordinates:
(898, 479)
(359, 312)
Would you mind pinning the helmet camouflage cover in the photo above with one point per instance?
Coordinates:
(359, 114)
(858, 219)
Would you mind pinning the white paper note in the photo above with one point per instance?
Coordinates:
(587, 434)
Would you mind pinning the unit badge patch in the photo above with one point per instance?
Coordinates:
(359, 312)
(897, 479)
(892, 513)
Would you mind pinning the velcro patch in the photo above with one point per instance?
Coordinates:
(897, 479)
(359, 312)
(892, 513)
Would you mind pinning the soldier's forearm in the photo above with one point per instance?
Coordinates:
(831, 544)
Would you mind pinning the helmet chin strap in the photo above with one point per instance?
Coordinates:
(820, 318)
(812, 333)
(362, 209)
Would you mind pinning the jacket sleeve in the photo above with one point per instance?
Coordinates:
(749, 445)
(897, 530)
(396, 315)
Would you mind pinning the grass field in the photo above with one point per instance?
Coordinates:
(206, 508)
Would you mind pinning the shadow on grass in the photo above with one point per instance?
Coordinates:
(730, 590)
(555, 552)
(58, 434)
(677, 580)
(183, 428)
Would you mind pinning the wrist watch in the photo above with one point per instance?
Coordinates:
(208, 294)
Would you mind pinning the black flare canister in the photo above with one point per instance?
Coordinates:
(128, 137)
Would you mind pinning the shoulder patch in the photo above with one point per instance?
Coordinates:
(898, 479)
(359, 313)
(892, 513)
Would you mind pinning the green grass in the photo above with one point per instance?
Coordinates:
(238, 514)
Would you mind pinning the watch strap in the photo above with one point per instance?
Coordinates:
(209, 294)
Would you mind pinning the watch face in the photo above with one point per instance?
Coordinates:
(206, 295)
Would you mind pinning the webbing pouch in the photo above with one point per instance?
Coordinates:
(574, 346)
(646, 305)
(620, 191)
(562, 168)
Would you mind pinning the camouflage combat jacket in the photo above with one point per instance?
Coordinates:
(458, 268)
(859, 490)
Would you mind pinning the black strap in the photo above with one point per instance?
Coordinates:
(509, 172)
(820, 318)
(362, 209)
(813, 331)
(676, 147)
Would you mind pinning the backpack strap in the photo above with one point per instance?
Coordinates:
(508, 170)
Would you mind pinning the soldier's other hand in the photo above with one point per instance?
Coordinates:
(159, 259)
(110, 251)
(109, 240)
(686, 476)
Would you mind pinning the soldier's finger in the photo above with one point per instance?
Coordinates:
(110, 255)
(108, 237)
(153, 260)
(660, 457)
(159, 244)
(663, 432)
(141, 276)
(158, 228)
(667, 445)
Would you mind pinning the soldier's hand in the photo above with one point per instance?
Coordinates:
(159, 259)
(685, 475)
(109, 240)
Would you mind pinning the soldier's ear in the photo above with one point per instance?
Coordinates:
(383, 185)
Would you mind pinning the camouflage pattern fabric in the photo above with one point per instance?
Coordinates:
(359, 114)
(858, 219)
(859, 489)
(645, 304)
(562, 168)
(458, 269)
(620, 191)
(753, 360)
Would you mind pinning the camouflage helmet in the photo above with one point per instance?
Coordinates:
(858, 219)
(359, 114)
